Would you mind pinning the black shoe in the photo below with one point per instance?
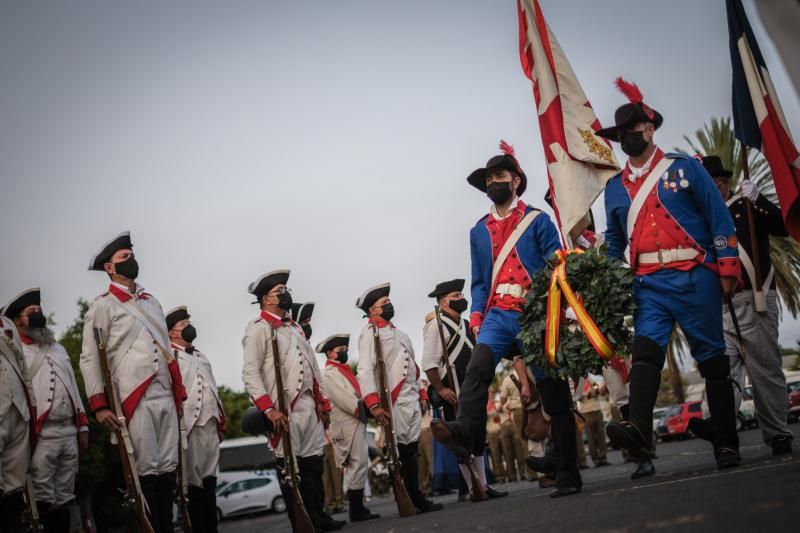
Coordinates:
(493, 493)
(625, 435)
(727, 457)
(702, 428)
(448, 438)
(565, 491)
(781, 445)
(583, 467)
(644, 468)
(424, 505)
(363, 515)
(602, 463)
(331, 525)
(543, 465)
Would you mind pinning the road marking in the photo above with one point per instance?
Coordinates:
(731, 472)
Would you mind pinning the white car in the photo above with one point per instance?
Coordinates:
(252, 494)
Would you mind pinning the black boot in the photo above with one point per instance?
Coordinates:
(44, 509)
(166, 486)
(358, 511)
(310, 476)
(197, 508)
(635, 434)
(210, 507)
(408, 458)
(149, 486)
(557, 402)
(12, 512)
(722, 407)
(467, 435)
(58, 520)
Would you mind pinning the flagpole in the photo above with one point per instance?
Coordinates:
(751, 223)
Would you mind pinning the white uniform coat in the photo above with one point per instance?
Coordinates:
(301, 379)
(15, 409)
(403, 378)
(348, 433)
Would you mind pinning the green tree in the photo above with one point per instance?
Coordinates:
(717, 138)
(234, 404)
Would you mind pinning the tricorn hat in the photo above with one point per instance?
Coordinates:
(633, 112)
(508, 161)
(120, 242)
(334, 341)
(302, 312)
(713, 164)
(21, 301)
(372, 295)
(446, 287)
(265, 283)
(177, 314)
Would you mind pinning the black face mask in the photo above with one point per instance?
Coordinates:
(306, 330)
(189, 333)
(341, 357)
(387, 311)
(128, 268)
(285, 301)
(459, 306)
(499, 192)
(37, 320)
(633, 143)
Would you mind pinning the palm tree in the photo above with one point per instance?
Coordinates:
(718, 138)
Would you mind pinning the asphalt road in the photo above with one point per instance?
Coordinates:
(688, 493)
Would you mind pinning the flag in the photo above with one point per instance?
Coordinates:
(579, 163)
(757, 116)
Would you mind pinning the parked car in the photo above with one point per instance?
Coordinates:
(255, 493)
(678, 419)
(747, 410)
(793, 388)
(660, 422)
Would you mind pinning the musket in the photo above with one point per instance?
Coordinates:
(405, 507)
(735, 319)
(132, 496)
(290, 471)
(33, 523)
(452, 379)
(183, 485)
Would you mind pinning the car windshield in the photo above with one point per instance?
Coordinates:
(675, 410)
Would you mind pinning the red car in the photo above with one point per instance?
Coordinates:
(679, 416)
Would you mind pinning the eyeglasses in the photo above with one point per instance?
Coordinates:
(278, 292)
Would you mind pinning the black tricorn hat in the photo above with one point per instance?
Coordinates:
(301, 312)
(372, 295)
(175, 315)
(265, 283)
(120, 242)
(713, 164)
(334, 341)
(508, 161)
(21, 301)
(634, 112)
(446, 287)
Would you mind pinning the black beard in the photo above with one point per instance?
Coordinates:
(41, 336)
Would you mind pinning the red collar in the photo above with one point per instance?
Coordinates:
(25, 339)
(337, 364)
(380, 322)
(271, 319)
(123, 295)
(518, 210)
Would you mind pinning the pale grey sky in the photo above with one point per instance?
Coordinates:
(332, 138)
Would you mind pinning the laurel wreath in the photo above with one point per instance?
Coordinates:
(605, 289)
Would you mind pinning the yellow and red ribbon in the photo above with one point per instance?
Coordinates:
(558, 285)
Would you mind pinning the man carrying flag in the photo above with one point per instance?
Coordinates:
(758, 118)
(684, 256)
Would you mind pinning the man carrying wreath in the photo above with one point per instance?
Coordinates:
(508, 246)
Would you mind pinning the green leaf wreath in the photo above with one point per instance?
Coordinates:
(605, 287)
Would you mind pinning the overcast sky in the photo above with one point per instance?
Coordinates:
(332, 138)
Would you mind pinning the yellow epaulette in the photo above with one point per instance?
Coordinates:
(430, 316)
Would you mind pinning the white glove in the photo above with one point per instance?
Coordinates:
(749, 190)
(570, 314)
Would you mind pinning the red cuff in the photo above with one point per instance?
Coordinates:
(371, 400)
(264, 402)
(325, 405)
(475, 320)
(423, 394)
(729, 267)
(83, 420)
(97, 402)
